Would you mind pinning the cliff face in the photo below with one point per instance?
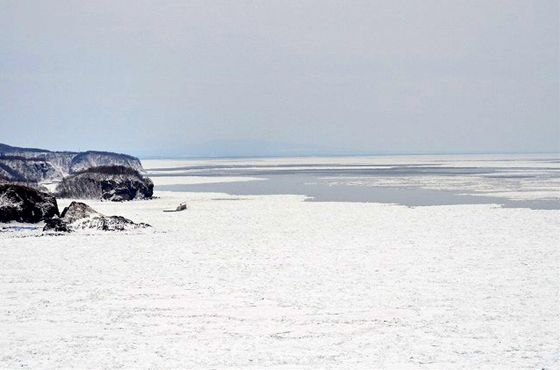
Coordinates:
(36, 165)
(59, 161)
(83, 161)
(115, 183)
(21, 169)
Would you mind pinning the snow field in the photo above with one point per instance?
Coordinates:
(272, 281)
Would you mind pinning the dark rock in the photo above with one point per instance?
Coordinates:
(127, 189)
(57, 225)
(25, 204)
(108, 223)
(76, 211)
(80, 216)
(114, 183)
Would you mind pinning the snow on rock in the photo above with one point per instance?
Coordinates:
(77, 211)
(115, 183)
(80, 216)
(25, 204)
(21, 169)
(28, 164)
(107, 223)
(85, 160)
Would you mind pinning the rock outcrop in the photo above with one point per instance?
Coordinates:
(86, 160)
(25, 204)
(56, 225)
(77, 211)
(34, 165)
(108, 223)
(22, 169)
(80, 216)
(115, 183)
(4, 179)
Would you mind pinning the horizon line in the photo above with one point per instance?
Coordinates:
(327, 155)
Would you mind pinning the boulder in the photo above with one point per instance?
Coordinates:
(57, 225)
(115, 183)
(108, 223)
(80, 216)
(77, 211)
(25, 204)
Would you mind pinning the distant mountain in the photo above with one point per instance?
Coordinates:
(38, 165)
(4, 148)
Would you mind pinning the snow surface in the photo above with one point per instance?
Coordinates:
(273, 281)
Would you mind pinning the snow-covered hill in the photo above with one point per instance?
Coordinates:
(36, 165)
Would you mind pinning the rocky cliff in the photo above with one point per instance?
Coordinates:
(85, 160)
(115, 183)
(21, 169)
(36, 165)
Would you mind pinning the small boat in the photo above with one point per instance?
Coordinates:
(180, 207)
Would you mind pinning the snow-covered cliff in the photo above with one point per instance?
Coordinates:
(21, 169)
(85, 160)
(37, 165)
(115, 183)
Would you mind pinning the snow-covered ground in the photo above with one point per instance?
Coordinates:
(273, 281)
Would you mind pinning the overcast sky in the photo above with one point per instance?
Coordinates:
(280, 77)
